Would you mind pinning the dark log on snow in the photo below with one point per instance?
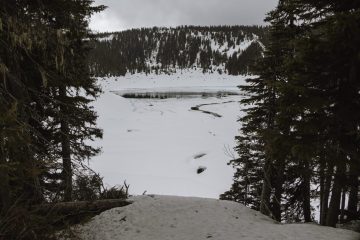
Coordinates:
(75, 208)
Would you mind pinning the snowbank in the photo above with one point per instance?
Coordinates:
(180, 218)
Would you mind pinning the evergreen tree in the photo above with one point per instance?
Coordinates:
(261, 116)
(303, 111)
(45, 115)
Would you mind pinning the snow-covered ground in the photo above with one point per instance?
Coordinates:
(157, 145)
(178, 146)
(180, 218)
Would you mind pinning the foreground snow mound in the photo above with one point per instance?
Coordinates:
(180, 218)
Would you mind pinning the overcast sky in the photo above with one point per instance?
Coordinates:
(125, 14)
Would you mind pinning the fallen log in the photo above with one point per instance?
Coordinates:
(75, 208)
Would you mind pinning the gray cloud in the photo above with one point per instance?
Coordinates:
(125, 14)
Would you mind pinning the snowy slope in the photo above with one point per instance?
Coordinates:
(180, 218)
(155, 144)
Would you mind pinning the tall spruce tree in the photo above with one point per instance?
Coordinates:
(315, 128)
(260, 123)
(71, 86)
(44, 87)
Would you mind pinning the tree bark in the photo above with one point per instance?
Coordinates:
(66, 150)
(333, 211)
(279, 181)
(354, 190)
(306, 192)
(322, 185)
(266, 189)
(342, 210)
(326, 194)
(4, 181)
(353, 150)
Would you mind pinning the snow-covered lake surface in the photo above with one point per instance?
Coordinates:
(159, 145)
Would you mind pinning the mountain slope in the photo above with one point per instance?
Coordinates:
(223, 49)
(180, 218)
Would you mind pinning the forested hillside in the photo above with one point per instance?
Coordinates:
(230, 49)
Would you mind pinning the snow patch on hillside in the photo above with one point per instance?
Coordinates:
(230, 50)
(106, 38)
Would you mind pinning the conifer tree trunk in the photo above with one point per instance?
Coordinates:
(326, 194)
(354, 171)
(354, 190)
(334, 206)
(333, 210)
(342, 210)
(65, 151)
(4, 180)
(278, 185)
(306, 192)
(266, 189)
(322, 185)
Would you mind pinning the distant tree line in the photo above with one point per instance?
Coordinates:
(170, 49)
(300, 137)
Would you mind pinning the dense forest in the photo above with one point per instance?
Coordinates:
(229, 49)
(300, 136)
(46, 121)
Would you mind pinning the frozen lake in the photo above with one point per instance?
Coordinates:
(173, 146)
